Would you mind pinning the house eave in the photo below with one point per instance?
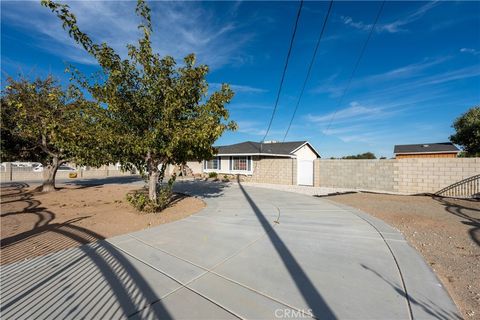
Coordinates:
(255, 154)
(311, 147)
(427, 152)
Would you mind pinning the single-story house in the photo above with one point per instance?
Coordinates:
(269, 162)
(427, 150)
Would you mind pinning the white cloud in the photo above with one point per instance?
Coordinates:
(328, 86)
(180, 28)
(419, 85)
(357, 122)
(393, 121)
(393, 26)
(239, 88)
(408, 78)
(470, 50)
(355, 24)
(247, 89)
(256, 128)
(251, 127)
(406, 71)
(354, 112)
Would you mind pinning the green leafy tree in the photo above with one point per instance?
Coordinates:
(161, 112)
(467, 134)
(44, 123)
(366, 155)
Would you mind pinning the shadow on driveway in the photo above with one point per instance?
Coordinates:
(73, 283)
(435, 311)
(310, 294)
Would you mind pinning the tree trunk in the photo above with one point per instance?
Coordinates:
(49, 173)
(152, 184)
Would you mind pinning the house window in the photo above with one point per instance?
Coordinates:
(213, 164)
(240, 163)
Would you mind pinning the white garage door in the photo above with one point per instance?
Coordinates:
(305, 172)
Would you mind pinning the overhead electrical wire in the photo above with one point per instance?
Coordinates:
(284, 69)
(379, 13)
(312, 61)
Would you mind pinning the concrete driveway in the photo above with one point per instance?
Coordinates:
(252, 253)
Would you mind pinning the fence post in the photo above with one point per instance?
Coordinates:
(8, 171)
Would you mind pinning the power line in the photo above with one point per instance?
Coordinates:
(309, 67)
(356, 64)
(285, 68)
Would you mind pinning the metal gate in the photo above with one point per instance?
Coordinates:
(305, 172)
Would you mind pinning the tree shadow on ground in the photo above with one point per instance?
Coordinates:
(200, 188)
(428, 307)
(310, 294)
(14, 192)
(17, 192)
(465, 212)
(91, 281)
(93, 182)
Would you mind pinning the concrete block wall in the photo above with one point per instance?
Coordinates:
(410, 176)
(273, 170)
(432, 174)
(23, 175)
(355, 174)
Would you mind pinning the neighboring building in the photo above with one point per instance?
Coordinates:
(262, 162)
(427, 150)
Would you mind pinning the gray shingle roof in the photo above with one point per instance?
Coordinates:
(426, 147)
(250, 147)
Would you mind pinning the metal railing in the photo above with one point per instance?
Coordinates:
(466, 188)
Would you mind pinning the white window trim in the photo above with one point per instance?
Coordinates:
(249, 164)
(219, 165)
(226, 168)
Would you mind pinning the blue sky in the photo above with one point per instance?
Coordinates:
(420, 70)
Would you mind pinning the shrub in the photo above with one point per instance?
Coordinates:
(225, 178)
(212, 175)
(140, 200)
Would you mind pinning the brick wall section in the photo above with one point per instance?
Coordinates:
(355, 174)
(432, 174)
(273, 170)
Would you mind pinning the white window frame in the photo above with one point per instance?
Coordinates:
(249, 164)
(218, 162)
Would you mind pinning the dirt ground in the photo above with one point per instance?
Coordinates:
(35, 224)
(445, 231)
